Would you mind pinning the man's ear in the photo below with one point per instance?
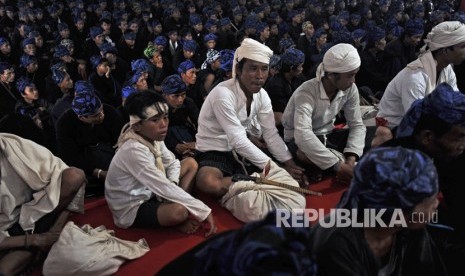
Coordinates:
(426, 137)
(136, 126)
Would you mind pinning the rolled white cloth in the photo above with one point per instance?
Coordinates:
(445, 34)
(253, 50)
(341, 58)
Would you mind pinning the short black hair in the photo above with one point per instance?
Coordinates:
(136, 103)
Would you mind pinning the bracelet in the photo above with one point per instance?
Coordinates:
(26, 244)
(98, 173)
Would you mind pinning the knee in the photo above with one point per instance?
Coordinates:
(208, 182)
(179, 213)
(191, 164)
(73, 179)
(383, 132)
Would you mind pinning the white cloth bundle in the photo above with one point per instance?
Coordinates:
(249, 201)
(90, 251)
(341, 58)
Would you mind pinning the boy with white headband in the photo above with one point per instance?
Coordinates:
(310, 114)
(226, 113)
(445, 45)
(146, 186)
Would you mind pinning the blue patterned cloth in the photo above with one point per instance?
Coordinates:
(85, 102)
(95, 61)
(293, 57)
(226, 60)
(133, 80)
(128, 90)
(95, 31)
(161, 41)
(22, 83)
(414, 27)
(28, 41)
(3, 41)
(58, 75)
(61, 51)
(173, 85)
(375, 34)
(209, 37)
(185, 66)
(194, 19)
(130, 36)
(108, 48)
(25, 60)
(259, 248)
(189, 45)
(445, 103)
(83, 87)
(391, 178)
(140, 65)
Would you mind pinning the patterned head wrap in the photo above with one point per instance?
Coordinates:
(209, 37)
(319, 32)
(341, 58)
(358, 34)
(150, 50)
(25, 60)
(212, 55)
(62, 26)
(133, 80)
(95, 60)
(108, 48)
(85, 102)
(130, 36)
(275, 62)
(293, 57)
(3, 41)
(445, 34)
(95, 31)
(140, 65)
(160, 41)
(189, 45)
(260, 247)
(375, 34)
(61, 51)
(128, 90)
(397, 31)
(225, 21)
(286, 43)
(58, 75)
(28, 41)
(185, 66)
(194, 19)
(414, 27)
(22, 83)
(83, 87)
(342, 36)
(226, 60)
(391, 178)
(251, 49)
(173, 85)
(444, 103)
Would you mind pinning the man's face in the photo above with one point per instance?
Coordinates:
(190, 77)
(154, 128)
(381, 44)
(30, 49)
(457, 54)
(253, 75)
(8, 75)
(66, 83)
(415, 39)
(188, 54)
(451, 144)
(96, 118)
(211, 44)
(39, 41)
(30, 93)
(111, 58)
(31, 68)
(99, 39)
(175, 100)
(343, 81)
(141, 83)
(265, 33)
(5, 48)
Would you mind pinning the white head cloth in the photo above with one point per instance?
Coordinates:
(253, 50)
(445, 34)
(341, 58)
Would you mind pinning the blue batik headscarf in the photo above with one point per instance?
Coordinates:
(22, 83)
(185, 66)
(25, 60)
(58, 75)
(226, 60)
(293, 57)
(173, 85)
(391, 178)
(85, 101)
(443, 102)
(128, 90)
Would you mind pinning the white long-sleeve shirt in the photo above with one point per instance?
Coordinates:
(406, 87)
(223, 121)
(133, 178)
(309, 113)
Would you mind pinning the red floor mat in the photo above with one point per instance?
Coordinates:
(167, 244)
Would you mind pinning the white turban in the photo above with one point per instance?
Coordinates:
(253, 50)
(445, 34)
(341, 58)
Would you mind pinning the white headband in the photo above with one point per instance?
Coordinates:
(445, 34)
(149, 112)
(341, 58)
(253, 50)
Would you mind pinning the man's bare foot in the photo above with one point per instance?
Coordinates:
(190, 226)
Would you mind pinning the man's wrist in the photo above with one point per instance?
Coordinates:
(336, 167)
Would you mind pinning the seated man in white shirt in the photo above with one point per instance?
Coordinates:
(310, 114)
(146, 186)
(224, 117)
(445, 45)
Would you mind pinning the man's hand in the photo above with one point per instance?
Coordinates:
(181, 148)
(345, 172)
(296, 172)
(82, 70)
(211, 223)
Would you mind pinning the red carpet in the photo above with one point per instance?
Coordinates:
(167, 244)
